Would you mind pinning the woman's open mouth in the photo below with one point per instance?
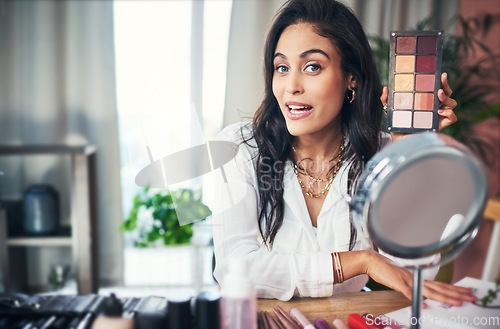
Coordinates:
(296, 112)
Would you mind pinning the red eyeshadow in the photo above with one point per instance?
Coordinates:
(426, 45)
(405, 45)
(426, 64)
(424, 82)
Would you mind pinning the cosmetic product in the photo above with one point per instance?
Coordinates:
(179, 313)
(260, 321)
(414, 80)
(62, 322)
(321, 324)
(40, 322)
(356, 321)
(85, 321)
(86, 305)
(207, 310)
(387, 323)
(285, 319)
(339, 324)
(370, 319)
(15, 322)
(271, 322)
(49, 322)
(73, 323)
(265, 321)
(150, 313)
(129, 306)
(300, 318)
(111, 317)
(238, 302)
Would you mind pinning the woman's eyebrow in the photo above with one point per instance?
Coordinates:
(279, 55)
(305, 53)
(314, 51)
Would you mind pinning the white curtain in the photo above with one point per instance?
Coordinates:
(244, 83)
(251, 18)
(57, 86)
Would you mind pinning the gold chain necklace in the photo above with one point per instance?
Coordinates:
(308, 191)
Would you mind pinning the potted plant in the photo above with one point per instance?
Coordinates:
(155, 217)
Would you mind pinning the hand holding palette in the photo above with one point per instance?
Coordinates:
(414, 80)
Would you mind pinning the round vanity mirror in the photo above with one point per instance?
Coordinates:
(421, 198)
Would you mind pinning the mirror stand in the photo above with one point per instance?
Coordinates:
(417, 298)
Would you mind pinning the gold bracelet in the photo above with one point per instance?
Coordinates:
(338, 268)
(335, 277)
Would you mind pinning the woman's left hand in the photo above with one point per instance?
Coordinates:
(446, 105)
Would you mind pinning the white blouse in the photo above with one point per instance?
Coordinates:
(300, 261)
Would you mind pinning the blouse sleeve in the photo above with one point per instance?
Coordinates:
(236, 234)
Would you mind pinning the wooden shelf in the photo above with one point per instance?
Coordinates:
(46, 149)
(40, 242)
(60, 239)
(81, 236)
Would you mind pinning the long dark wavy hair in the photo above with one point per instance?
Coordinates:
(361, 119)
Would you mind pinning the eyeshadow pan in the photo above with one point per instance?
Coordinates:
(426, 44)
(405, 63)
(401, 119)
(405, 45)
(422, 120)
(424, 101)
(403, 101)
(403, 82)
(424, 82)
(426, 63)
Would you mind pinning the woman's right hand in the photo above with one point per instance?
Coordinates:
(383, 270)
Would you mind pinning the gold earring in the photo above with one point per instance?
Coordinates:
(353, 96)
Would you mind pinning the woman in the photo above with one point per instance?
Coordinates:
(281, 205)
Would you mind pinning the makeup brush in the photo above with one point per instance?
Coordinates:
(285, 319)
(260, 321)
(265, 322)
(271, 321)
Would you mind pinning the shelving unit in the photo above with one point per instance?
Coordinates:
(81, 236)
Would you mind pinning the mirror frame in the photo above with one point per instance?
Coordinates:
(393, 160)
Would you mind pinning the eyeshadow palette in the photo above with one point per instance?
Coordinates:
(414, 79)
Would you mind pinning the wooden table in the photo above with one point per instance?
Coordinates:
(340, 305)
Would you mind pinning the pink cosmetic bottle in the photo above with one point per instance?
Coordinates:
(238, 302)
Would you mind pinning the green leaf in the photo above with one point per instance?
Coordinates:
(165, 225)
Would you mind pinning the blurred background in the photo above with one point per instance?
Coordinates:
(139, 80)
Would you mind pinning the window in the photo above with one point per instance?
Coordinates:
(171, 70)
